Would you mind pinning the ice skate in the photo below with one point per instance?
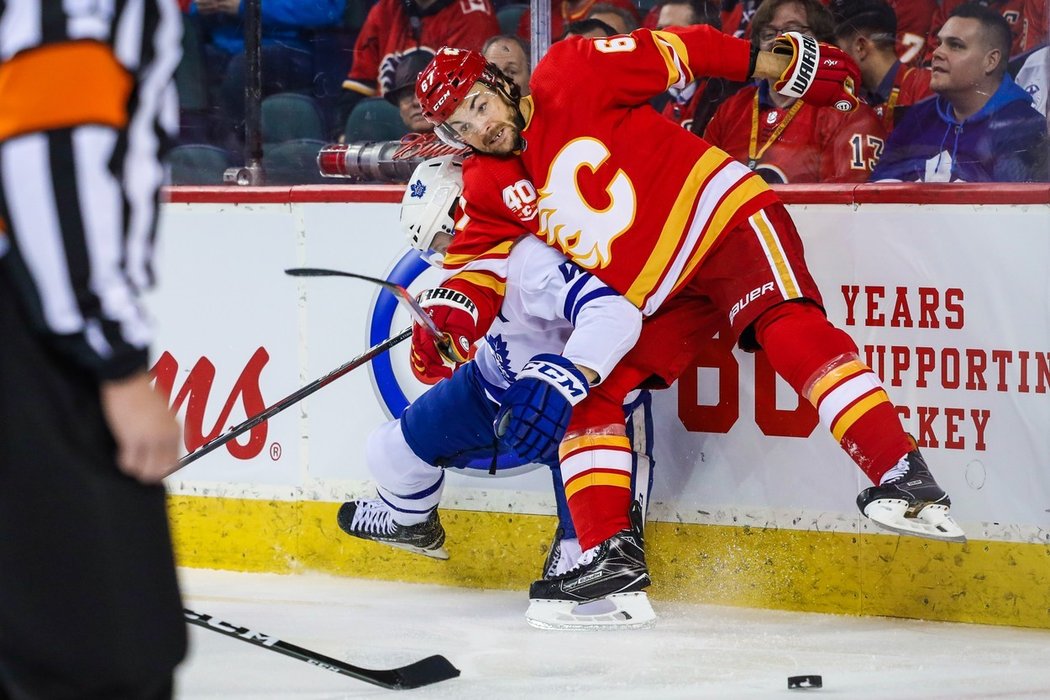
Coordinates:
(372, 520)
(910, 502)
(563, 555)
(603, 591)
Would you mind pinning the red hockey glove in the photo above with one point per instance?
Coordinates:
(819, 73)
(456, 317)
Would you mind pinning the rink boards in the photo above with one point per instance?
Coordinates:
(944, 289)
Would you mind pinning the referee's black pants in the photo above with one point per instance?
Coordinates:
(89, 603)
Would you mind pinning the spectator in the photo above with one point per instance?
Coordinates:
(737, 16)
(402, 93)
(787, 140)
(396, 27)
(589, 28)
(1026, 19)
(981, 127)
(866, 30)
(286, 55)
(511, 55)
(565, 12)
(623, 21)
(695, 104)
(913, 27)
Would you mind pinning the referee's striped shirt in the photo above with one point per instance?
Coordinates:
(87, 107)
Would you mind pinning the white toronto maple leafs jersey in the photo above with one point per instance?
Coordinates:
(553, 306)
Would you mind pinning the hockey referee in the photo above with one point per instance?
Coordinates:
(89, 603)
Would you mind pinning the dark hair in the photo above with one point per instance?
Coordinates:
(704, 12)
(995, 29)
(629, 20)
(817, 16)
(587, 25)
(874, 18)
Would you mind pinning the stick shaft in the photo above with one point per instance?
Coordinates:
(293, 398)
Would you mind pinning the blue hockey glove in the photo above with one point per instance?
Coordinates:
(536, 408)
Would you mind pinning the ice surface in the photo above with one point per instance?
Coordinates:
(695, 651)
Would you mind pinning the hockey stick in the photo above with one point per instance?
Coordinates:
(293, 398)
(432, 669)
(442, 340)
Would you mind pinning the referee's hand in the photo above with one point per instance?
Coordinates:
(145, 429)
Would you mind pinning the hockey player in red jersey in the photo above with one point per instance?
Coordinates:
(664, 218)
(784, 139)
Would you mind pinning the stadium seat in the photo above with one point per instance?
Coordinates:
(509, 16)
(374, 119)
(293, 162)
(198, 164)
(287, 116)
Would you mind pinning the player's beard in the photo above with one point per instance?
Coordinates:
(511, 140)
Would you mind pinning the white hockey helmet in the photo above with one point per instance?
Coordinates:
(429, 204)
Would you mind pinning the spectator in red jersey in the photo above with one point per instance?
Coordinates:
(784, 139)
(913, 27)
(403, 93)
(695, 104)
(565, 12)
(865, 29)
(623, 21)
(396, 27)
(510, 54)
(1027, 20)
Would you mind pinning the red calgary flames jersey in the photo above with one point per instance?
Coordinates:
(623, 191)
(387, 35)
(498, 207)
(909, 85)
(1027, 20)
(805, 143)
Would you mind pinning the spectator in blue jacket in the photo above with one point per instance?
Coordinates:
(286, 56)
(980, 126)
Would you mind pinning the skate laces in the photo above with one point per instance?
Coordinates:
(897, 471)
(372, 518)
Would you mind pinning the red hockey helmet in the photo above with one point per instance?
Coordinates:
(443, 84)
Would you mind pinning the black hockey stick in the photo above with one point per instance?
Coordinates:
(293, 398)
(432, 669)
(443, 340)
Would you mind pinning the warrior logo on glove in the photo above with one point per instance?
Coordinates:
(818, 73)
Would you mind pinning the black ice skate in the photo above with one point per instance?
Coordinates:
(563, 554)
(371, 520)
(911, 503)
(604, 590)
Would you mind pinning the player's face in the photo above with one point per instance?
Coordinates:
(963, 60)
(486, 122)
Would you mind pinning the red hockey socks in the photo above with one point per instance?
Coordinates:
(821, 363)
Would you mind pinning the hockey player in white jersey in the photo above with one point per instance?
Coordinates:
(451, 425)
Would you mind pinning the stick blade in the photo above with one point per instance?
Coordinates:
(313, 272)
(432, 669)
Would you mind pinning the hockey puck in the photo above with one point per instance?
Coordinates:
(796, 682)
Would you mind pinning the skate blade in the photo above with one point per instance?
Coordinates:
(931, 521)
(616, 611)
(436, 553)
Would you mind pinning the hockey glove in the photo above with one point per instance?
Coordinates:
(819, 73)
(456, 317)
(536, 408)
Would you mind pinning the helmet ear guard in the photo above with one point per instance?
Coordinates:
(428, 206)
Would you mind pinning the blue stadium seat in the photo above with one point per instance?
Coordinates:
(198, 164)
(293, 162)
(288, 115)
(374, 119)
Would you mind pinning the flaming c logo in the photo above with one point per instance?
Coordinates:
(196, 391)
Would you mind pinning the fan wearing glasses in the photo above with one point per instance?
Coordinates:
(784, 139)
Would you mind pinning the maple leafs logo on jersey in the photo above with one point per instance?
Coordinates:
(502, 353)
(417, 189)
